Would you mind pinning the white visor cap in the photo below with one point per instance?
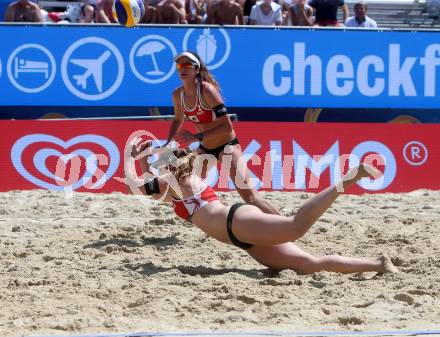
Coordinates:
(189, 55)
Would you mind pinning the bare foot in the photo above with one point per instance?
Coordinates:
(387, 265)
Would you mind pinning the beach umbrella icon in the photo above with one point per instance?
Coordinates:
(151, 48)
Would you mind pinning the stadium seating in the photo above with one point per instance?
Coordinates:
(402, 14)
(55, 5)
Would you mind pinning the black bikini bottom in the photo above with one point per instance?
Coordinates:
(232, 237)
(216, 151)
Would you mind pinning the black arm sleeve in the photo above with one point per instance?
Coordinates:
(220, 110)
(152, 186)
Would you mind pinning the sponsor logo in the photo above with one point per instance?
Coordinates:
(56, 176)
(341, 75)
(280, 170)
(415, 153)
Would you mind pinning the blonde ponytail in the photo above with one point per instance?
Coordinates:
(185, 164)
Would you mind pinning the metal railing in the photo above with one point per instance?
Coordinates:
(233, 117)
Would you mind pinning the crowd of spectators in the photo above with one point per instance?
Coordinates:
(221, 12)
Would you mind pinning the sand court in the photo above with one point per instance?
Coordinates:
(97, 263)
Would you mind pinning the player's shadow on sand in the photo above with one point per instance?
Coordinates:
(163, 243)
(149, 269)
(160, 243)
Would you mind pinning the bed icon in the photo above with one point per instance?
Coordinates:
(28, 66)
(34, 60)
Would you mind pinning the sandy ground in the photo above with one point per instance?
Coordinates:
(108, 263)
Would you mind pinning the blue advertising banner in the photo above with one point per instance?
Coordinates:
(256, 67)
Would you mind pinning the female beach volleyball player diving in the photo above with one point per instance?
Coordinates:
(199, 99)
(266, 237)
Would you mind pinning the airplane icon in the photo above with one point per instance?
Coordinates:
(94, 68)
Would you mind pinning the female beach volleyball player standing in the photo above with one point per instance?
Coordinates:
(266, 237)
(199, 99)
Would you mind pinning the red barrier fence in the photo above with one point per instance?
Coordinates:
(88, 155)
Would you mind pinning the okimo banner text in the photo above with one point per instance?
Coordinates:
(89, 155)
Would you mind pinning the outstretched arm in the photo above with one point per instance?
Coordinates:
(148, 183)
(179, 117)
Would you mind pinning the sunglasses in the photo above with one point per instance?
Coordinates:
(187, 65)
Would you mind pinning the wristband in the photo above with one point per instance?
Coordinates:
(152, 186)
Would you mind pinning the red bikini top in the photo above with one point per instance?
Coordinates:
(200, 113)
(186, 208)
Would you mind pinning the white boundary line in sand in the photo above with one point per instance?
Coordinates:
(256, 333)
